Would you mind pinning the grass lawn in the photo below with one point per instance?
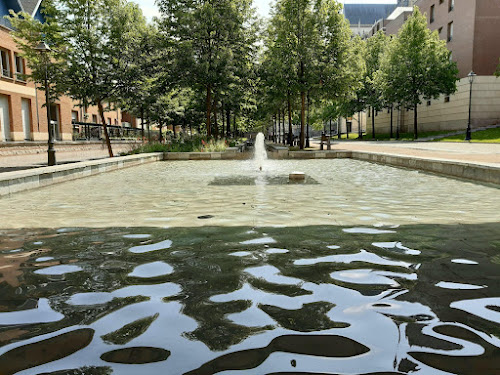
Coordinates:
(387, 137)
(406, 136)
(483, 136)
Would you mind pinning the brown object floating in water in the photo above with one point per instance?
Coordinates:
(45, 351)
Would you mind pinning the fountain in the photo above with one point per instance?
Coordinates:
(250, 272)
(260, 153)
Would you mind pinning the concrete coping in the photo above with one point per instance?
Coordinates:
(16, 181)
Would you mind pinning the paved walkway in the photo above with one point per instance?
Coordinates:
(38, 158)
(477, 153)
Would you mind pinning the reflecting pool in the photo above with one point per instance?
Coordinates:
(217, 267)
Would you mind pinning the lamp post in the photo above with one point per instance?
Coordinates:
(44, 49)
(471, 76)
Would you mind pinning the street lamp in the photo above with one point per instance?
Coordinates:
(44, 50)
(471, 76)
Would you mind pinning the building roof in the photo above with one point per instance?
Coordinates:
(30, 6)
(367, 14)
(399, 11)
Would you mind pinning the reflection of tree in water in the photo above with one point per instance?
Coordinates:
(216, 289)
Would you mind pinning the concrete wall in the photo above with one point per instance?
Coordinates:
(452, 115)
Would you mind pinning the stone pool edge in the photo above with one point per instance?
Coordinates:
(13, 182)
(473, 172)
(17, 181)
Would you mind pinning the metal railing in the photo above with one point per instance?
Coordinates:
(91, 131)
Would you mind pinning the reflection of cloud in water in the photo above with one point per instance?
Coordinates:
(153, 269)
(151, 247)
(259, 241)
(59, 270)
(362, 256)
(362, 276)
(479, 307)
(452, 285)
(43, 313)
(464, 261)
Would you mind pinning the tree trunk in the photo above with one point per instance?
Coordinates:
(142, 123)
(228, 123)
(104, 127)
(283, 119)
(279, 127)
(175, 130)
(290, 129)
(149, 128)
(360, 126)
(373, 122)
(209, 109)
(223, 119)
(160, 127)
(235, 126)
(415, 125)
(216, 125)
(302, 118)
(307, 120)
(392, 120)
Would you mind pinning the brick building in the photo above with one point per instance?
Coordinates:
(470, 29)
(23, 116)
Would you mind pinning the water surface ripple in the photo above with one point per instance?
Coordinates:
(190, 306)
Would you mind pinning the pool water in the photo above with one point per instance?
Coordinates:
(369, 270)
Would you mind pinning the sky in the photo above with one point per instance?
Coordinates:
(149, 8)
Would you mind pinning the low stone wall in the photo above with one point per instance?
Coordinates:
(232, 153)
(13, 182)
(468, 171)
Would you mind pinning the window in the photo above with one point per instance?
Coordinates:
(429, 103)
(74, 115)
(109, 121)
(94, 119)
(451, 5)
(441, 1)
(450, 32)
(19, 67)
(432, 13)
(446, 99)
(5, 63)
(440, 30)
(116, 122)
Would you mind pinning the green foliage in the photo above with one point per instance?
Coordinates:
(28, 34)
(195, 144)
(416, 66)
(214, 42)
(483, 136)
(307, 46)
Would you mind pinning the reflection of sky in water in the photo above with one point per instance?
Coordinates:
(377, 319)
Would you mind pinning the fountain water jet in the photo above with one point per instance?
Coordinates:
(260, 153)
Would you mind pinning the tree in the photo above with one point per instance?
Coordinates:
(308, 45)
(206, 35)
(416, 65)
(370, 93)
(101, 35)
